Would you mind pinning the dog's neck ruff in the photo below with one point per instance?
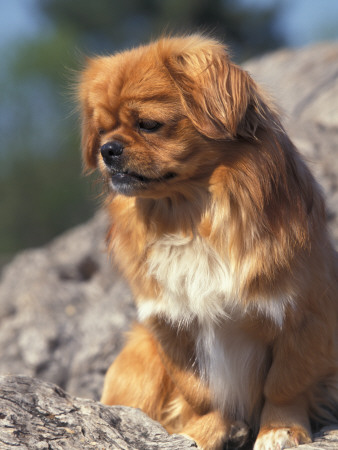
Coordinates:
(197, 284)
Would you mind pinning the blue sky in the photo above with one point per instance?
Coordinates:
(301, 21)
(306, 21)
(19, 19)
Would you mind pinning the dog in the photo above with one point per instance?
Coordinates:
(220, 229)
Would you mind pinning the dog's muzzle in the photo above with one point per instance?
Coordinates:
(111, 152)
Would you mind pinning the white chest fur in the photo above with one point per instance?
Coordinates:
(195, 282)
(198, 285)
(233, 364)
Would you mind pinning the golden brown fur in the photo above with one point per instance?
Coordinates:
(220, 229)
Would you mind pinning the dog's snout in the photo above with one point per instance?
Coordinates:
(111, 150)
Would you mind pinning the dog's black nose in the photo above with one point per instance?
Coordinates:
(110, 150)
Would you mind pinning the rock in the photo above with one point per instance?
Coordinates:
(64, 307)
(40, 415)
(327, 439)
(63, 311)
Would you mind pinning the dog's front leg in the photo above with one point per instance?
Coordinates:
(302, 355)
(284, 426)
(204, 422)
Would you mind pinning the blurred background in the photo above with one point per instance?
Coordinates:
(42, 46)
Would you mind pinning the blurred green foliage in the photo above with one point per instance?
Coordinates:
(108, 24)
(42, 191)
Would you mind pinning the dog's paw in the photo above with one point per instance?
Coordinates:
(281, 438)
(238, 434)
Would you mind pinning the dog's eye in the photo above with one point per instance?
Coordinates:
(149, 125)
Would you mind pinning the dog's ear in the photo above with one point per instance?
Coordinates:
(85, 89)
(220, 98)
(90, 139)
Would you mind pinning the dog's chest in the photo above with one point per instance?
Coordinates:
(194, 281)
(197, 285)
(233, 364)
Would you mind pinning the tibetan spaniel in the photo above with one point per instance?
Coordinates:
(220, 229)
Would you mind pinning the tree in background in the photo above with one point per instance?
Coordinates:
(107, 24)
(42, 191)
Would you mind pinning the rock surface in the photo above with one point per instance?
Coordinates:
(63, 310)
(40, 415)
(64, 307)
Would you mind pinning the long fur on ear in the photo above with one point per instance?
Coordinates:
(90, 139)
(220, 98)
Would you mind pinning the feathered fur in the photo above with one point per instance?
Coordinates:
(221, 233)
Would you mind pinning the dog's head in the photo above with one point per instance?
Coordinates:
(161, 115)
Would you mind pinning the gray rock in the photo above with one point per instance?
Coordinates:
(63, 311)
(64, 307)
(40, 415)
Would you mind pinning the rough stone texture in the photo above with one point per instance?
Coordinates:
(64, 308)
(40, 415)
(327, 439)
